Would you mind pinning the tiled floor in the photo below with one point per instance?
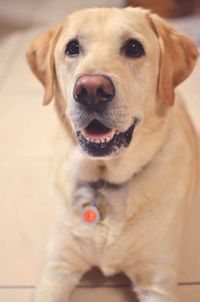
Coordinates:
(27, 137)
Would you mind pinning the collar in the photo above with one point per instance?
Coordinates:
(101, 184)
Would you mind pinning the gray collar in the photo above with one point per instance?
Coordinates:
(102, 184)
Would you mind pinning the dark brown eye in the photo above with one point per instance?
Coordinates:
(72, 48)
(133, 49)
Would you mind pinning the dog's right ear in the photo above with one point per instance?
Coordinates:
(40, 56)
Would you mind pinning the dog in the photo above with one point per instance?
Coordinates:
(129, 169)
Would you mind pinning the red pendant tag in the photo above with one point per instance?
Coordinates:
(90, 215)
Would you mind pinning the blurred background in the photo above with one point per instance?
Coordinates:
(23, 14)
(28, 136)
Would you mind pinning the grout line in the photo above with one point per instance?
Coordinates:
(127, 285)
(17, 287)
(188, 283)
(92, 286)
(104, 286)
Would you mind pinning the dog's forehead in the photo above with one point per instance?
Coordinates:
(113, 21)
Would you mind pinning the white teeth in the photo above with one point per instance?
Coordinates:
(107, 139)
(98, 141)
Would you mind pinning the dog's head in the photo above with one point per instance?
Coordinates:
(112, 70)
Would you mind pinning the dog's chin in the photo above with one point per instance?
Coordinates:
(97, 140)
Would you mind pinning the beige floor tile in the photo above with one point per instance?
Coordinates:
(186, 293)
(26, 217)
(80, 294)
(26, 127)
(16, 295)
(189, 293)
(103, 294)
(8, 46)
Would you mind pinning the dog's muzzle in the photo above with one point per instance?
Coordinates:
(98, 137)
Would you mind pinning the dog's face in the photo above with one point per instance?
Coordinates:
(105, 60)
(114, 71)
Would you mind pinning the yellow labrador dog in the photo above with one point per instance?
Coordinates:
(129, 170)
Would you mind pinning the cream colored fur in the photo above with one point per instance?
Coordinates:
(157, 173)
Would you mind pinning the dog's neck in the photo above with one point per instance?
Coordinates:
(115, 172)
(122, 168)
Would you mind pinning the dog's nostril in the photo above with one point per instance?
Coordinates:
(81, 94)
(103, 95)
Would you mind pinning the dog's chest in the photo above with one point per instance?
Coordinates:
(99, 243)
(98, 240)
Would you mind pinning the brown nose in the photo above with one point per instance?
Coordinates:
(93, 90)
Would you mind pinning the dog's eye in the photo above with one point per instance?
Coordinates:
(133, 48)
(72, 48)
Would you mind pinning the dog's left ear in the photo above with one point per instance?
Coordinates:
(40, 56)
(178, 55)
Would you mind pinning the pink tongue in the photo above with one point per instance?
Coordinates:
(98, 136)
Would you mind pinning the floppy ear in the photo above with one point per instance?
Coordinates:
(178, 55)
(40, 56)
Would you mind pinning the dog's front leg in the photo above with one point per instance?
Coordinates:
(56, 286)
(63, 272)
(152, 285)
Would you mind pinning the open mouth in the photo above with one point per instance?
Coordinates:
(98, 133)
(98, 140)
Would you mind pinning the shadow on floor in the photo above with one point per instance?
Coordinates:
(94, 278)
